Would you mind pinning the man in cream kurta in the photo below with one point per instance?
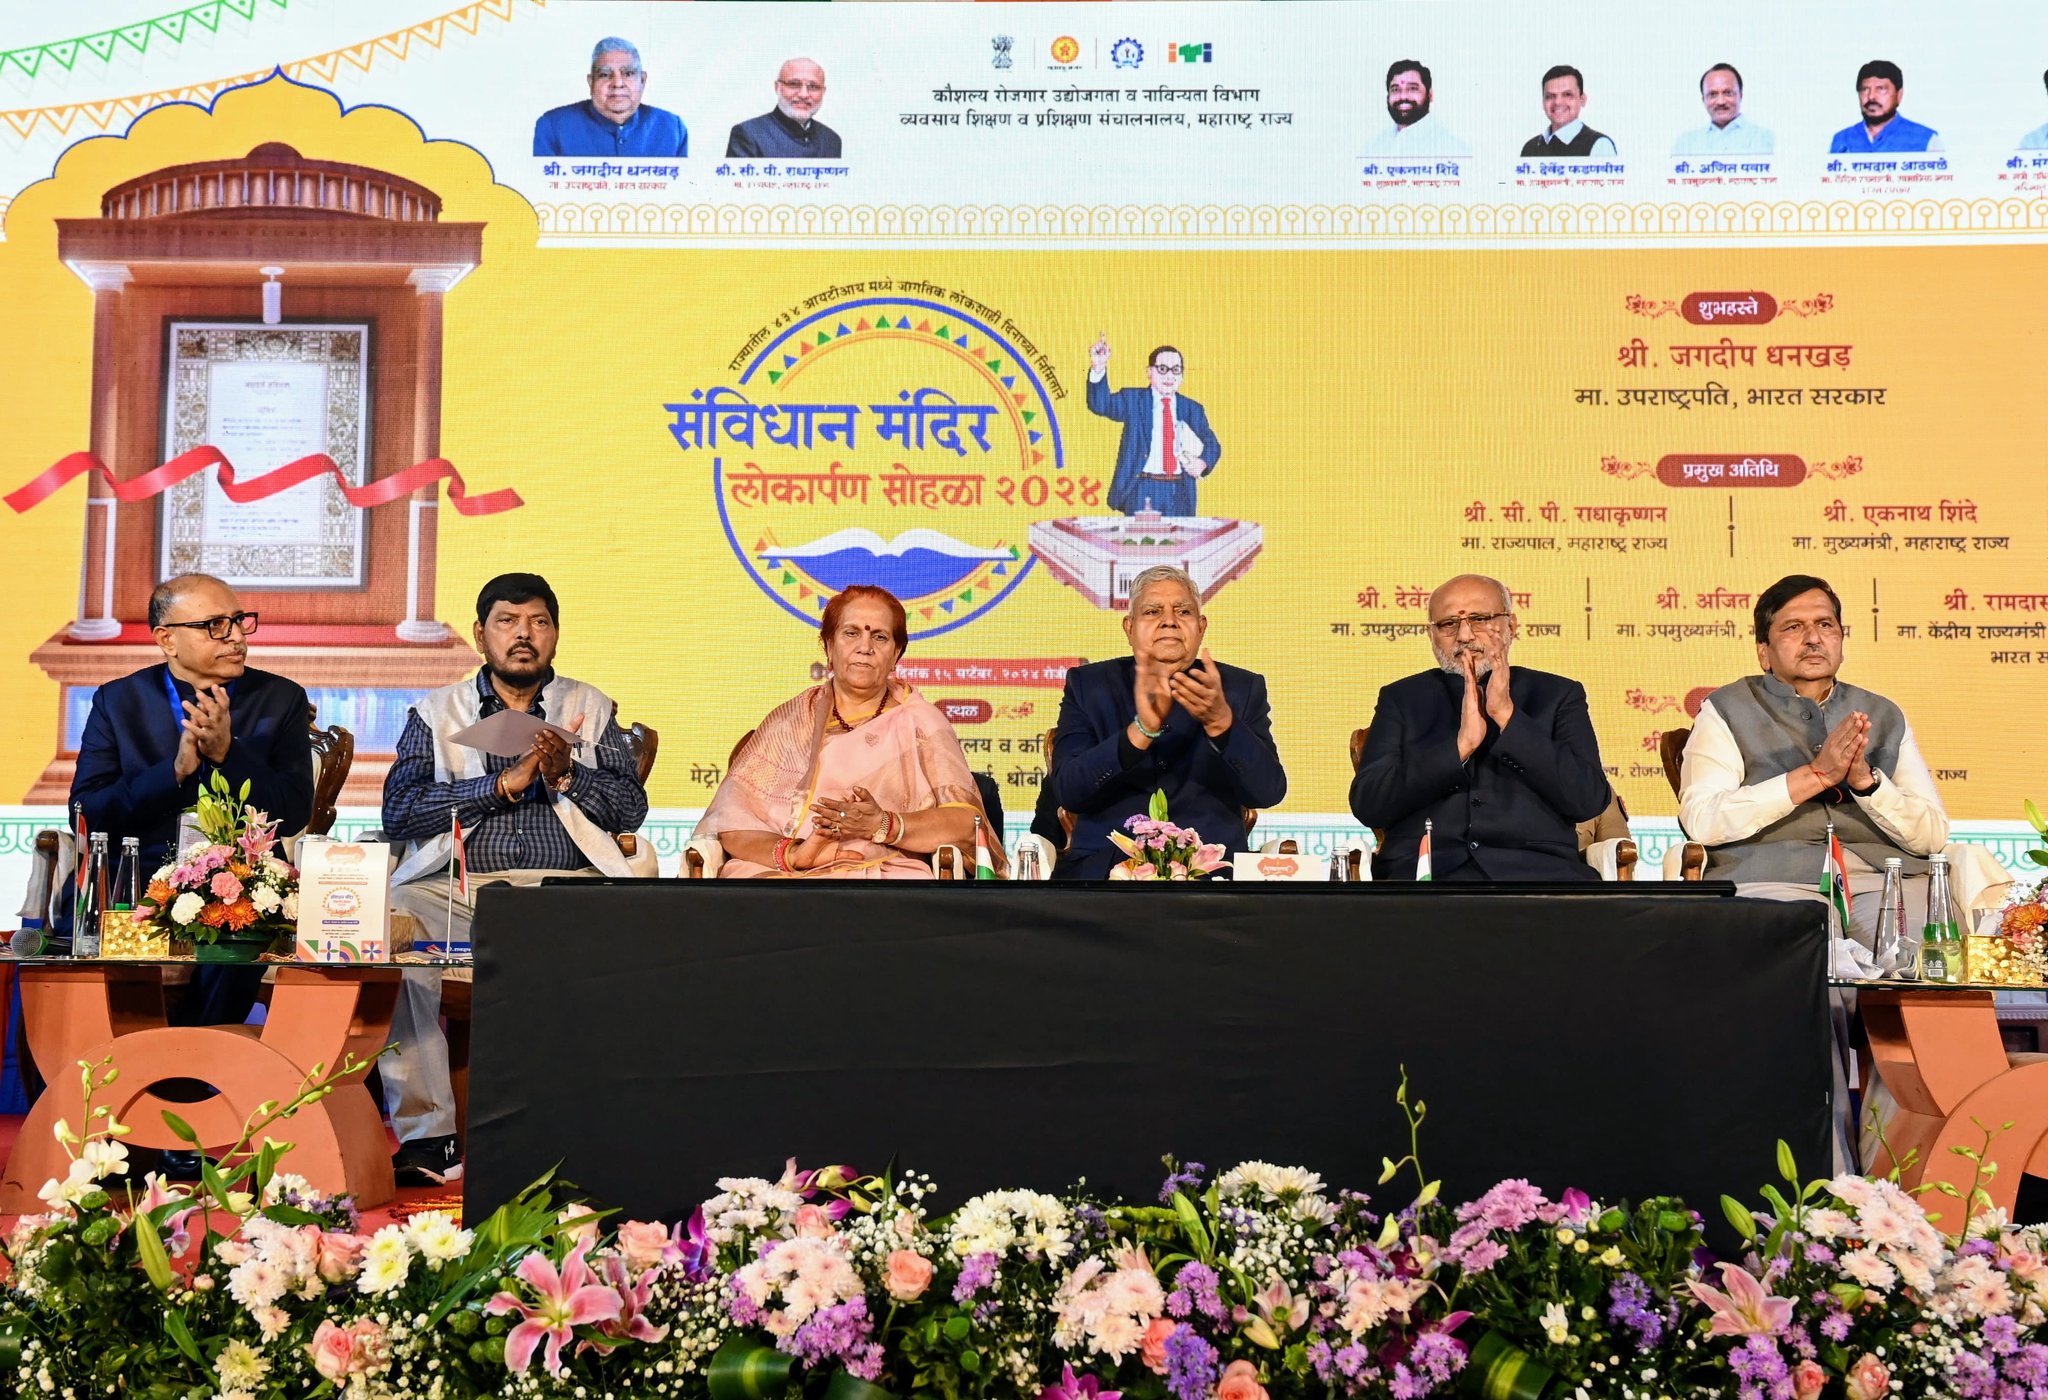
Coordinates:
(553, 810)
(1775, 757)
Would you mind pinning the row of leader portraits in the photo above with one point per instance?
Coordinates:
(616, 120)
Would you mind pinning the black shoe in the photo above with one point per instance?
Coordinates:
(426, 1162)
(179, 1166)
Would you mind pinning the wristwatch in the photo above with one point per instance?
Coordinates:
(1876, 782)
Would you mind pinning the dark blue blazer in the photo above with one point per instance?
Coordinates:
(124, 778)
(1511, 811)
(1208, 782)
(1133, 409)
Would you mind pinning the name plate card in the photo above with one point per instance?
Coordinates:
(344, 908)
(1257, 865)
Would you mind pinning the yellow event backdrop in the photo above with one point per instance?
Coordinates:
(1385, 418)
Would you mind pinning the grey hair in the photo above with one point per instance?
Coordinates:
(1162, 573)
(614, 44)
(165, 595)
(1507, 599)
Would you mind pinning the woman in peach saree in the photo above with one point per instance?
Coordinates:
(857, 778)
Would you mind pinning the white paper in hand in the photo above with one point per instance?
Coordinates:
(508, 733)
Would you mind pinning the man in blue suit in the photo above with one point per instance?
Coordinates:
(1166, 445)
(1505, 764)
(1160, 719)
(154, 736)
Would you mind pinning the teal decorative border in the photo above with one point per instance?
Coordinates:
(1318, 834)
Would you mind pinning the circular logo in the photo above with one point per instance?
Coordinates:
(1066, 49)
(342, 902)
(1126, 53)
(891, 439)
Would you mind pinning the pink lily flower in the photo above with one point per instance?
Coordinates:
(1087, 1387)
(631, 1325)
(1276, 1314)
(158, 1192)
(569, 1299)
(1746, 1309)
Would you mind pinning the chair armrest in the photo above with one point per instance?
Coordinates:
(949, 870)
(701, 859)
(1615, 858)
(1685, 860)
(1046, 854)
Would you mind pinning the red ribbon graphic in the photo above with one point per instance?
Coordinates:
(380, 492)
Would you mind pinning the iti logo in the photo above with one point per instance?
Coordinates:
(1002, 44)
(1126, 53)
(1066, 49)
(1190, 53)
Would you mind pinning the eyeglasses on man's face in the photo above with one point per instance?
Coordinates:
(605, 75)
(1478, 622)
(222, 627)
(799, 85)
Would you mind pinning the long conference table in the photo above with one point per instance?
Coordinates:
(650, 1037)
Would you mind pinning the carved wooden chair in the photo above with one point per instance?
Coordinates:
(1604, 841)
(1683, 860)
(334, 753)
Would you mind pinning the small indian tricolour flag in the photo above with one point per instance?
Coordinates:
(461, 857)
(1834, 879)
(984, 867)
(1422, 870)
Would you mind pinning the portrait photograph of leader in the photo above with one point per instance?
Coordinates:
(1728, 131)
(1413, 132)
(1564, 100)
(613, 121)
(790, 130)
(2037, 139)
(1166, 445)
(1880, 88)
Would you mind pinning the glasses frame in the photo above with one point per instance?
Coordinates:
(1478, 622)
(226, 623)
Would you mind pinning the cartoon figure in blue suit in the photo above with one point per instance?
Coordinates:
(1166, 446)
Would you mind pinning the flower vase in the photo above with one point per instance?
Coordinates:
(1497, 1369)
(244, 947)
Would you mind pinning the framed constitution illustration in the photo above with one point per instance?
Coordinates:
(269, 308)
(268, 395)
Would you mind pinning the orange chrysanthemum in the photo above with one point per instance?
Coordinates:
(2023, 918)
(241, 914)
(214, 915)
(241, 869)
(160, 893)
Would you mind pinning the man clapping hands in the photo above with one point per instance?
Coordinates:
(1170, 718)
